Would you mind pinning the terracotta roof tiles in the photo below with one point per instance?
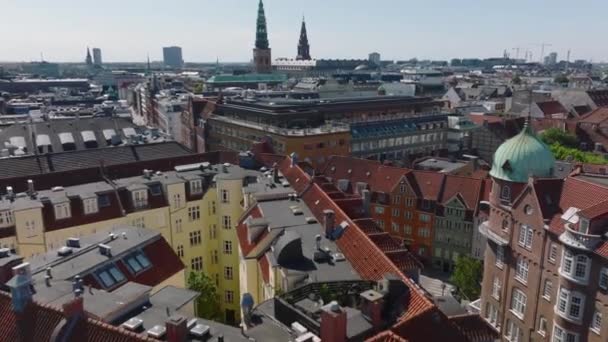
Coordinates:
(475, 328)
(429, 183)
(468, 188)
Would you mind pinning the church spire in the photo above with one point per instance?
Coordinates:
(303, 47)
(261, 34)
(89, 59)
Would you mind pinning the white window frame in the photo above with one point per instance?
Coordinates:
(226, 222)
(496, 286)
(526, 234)
(522, 268)
(571, 263)
(228, 273)
(89, 206)
(561, 335)
(6, 218)
(500, 256)
(224, 196)
(552, 252)
(518, 303)
(596, 322)
(603, 281)
(547, 289)
(565, 304)
(542, 326)
(196, 186)
(62, 211)
(513, 332)
(140, 198)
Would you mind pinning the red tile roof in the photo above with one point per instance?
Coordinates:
(381, 178)
(475, 328)
(468, 188)
(387, 336)
(43, 320)
(595, 117)
(429, 183)
(599, 97)
(594, 211)
(241, 230)
(265, 268)
(551, 107)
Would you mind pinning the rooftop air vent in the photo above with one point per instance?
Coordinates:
(105, 250)
(64, 251)
(200, 330)
(285, 184)
(133, 324)
(338, 257)
(57, 188)
(157, 331)
(296, 210)
(311, 220)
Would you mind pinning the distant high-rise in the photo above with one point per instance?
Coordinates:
(303, 46)
(172, 57)
(88, 59)
(261, 52)
(97, 56)
(374, 58)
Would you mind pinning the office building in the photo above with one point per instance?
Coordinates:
(97, 57)
(172, 57)
(374, 59)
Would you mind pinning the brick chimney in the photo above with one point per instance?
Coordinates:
(177, 328)
(328, 222)
(372, 303)
(367, 200)
(333, 324)
(74, 308)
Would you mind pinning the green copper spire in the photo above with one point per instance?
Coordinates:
(523, 156)
(261, 35)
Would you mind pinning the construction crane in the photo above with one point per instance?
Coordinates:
(542, 50)
(516, 49)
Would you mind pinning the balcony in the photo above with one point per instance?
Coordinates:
(575, 239)
(485, 230)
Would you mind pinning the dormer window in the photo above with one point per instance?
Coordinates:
(583, 226)
(140, 199)
(156, 189)
(62, 211)
(137, 262)
(506, 166)
(196, 186)
(90, 206)
(6, 218)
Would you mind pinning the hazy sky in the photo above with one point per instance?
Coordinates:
(126, 30)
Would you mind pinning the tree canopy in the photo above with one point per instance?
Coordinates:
(562, 153)
(207, 305)
(557, 136)
(467, 277)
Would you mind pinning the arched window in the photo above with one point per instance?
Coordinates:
(505, 193)
(575, 267)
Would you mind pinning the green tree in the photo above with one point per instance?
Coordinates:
(467, 277)
(198, 88)
(557, 136)
(207, 305)
(562, 153)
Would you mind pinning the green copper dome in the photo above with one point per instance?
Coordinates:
(522, 156)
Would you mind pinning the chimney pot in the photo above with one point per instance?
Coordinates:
(177, 329)
(328, 222)
(333, 324)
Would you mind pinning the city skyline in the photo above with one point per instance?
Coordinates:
(439, 29)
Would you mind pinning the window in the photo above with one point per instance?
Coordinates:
(379, 210)
(542, 326)
(6, 218)
(395, 227)
(500, 256)
(140, 199)
(212, 208)
(62, 211)
(214, 257)
(409, 202)
(552, 252)
(396, 212)
(180, 251)
(103, 200)
(570, 304)
(596, 322)
(407, 215)
(195, 238)
(518, 303)
(422, 251)
(496, 285)
(521, 270)
(574, 267)
(424, 218)
(178, 225)
(156, 189)
(424, 232)
(137, 262)
(562, 335)
(196, 186)
(426, 204)
(505, 225)
(397, 200)
(505, 194)
(513, 332)
(90, 205)
(110, 276)
(583, 226)
(177, 201)
(226, 224)
(229, 297)
(525, 236)
(604, 278)
(547, 288)
(228, 273)
(403, 188)
(224, 196)
(212, 232)
(407, 230)
(194, 213)
(492, 314)
(227, 247)
(197, 263)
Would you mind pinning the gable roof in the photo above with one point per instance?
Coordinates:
(468, 188)
(551, 107)
(429, 183)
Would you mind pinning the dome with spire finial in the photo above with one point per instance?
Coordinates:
(521, 157)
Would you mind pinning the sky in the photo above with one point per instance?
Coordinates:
(129, 30)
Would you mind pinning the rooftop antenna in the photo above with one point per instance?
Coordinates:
(41, 57)
(567, 60)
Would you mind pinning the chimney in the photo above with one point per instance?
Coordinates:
(177, 329)
(21, 287)
(333, 324)
(372, 303)
(328, 221)
(74, 308)
(366, 195)
(147, 174)
(30, 187)
(10, 194)
(275, 174)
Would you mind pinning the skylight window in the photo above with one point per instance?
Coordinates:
(110, 276)
(137, 262)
